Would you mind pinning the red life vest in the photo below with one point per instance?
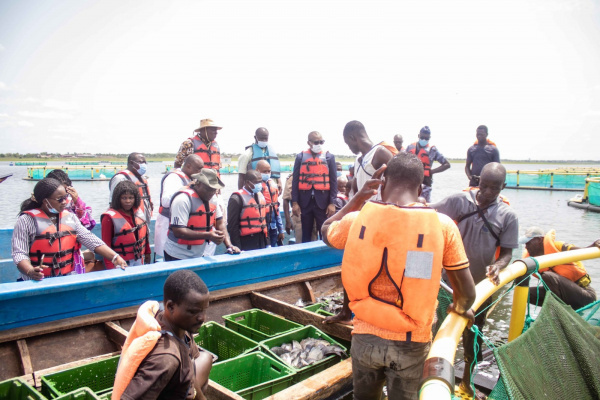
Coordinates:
(143, 188)
(210, 155)
(56, 245)
(129, 241)
(271, 194)
(163, 210)
(202, 217)
(314, 172)
(253, 217)
(423, 155)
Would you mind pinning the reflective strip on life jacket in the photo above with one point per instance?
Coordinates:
(410, 259)
(271, 194)
(210, 155)
(163, 210)
(56, 245)
(129, 241)
(572, 271)
(269, 155)
(314, 172)
(202, 217)
(423, 155)
(253, 216)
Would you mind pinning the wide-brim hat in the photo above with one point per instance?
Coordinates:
(531, 233)
(207, 123)
(209, 177)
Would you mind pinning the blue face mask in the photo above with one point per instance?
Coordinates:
(266, 177)
(51, 209)
(257, 188)
(423, 142)
(142, 169)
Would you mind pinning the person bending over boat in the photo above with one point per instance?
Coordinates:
(247, 214)
(46, 235)
(124, 226)
(261, 149)
(483, 152)
(196, 219)
(136, 168)
(369, 158)
(570, 282)
(169, 185)
(271, 195)
(174, 368)
(392, 277)
(490, 231)
(428, 154)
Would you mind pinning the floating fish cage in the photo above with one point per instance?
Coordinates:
(565, 179)
(231, 169)
(29, 163)
(590, 200)
(78, 172)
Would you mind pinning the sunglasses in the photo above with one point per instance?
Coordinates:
(318, 141)
(62, 199)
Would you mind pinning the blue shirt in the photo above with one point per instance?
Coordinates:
(479, 156)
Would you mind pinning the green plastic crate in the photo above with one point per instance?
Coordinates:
(317, 309)
(99, 376)
(16, 389)
(258, 325)
(253, 376)
(298, 335)
(223, 342)
(80, 394)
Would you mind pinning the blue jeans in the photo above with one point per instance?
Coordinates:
(273, 237)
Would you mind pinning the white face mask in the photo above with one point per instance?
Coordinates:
(262, 145)
(316, 148)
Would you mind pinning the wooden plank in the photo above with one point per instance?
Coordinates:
(25, 358)
(257, 287)
(38, 374)
(115, 333)
(319, 386)
(309, 290)
(299, 315)
(218, 392)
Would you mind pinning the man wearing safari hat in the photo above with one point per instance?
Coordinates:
(203, 144)
(195, 220)
(570, 282)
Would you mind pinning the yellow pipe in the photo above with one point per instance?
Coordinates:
(450, 332)
(517, 314)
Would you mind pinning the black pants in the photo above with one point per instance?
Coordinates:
(253, 242)
(308, 216)
(469, 336)
(170, 258)
(566, 290)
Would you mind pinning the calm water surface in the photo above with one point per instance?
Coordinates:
(541, 208)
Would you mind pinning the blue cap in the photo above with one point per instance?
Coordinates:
(425, 129)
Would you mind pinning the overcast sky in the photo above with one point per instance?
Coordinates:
(122, 76)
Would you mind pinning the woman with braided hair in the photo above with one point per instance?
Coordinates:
(46, 235)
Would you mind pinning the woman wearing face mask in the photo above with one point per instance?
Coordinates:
(136, 169)
(124, 226)
(45, 235)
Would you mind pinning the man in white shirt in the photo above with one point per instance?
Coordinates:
(169, 185)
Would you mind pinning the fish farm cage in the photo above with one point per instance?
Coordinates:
(566, 179)
(77, 172)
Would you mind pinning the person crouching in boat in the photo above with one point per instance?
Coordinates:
(160, 360)
(45, 235)
(391, 278)
(124, 226)
(195, 220)
(570, 282)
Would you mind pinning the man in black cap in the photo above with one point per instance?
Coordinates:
(428, 153)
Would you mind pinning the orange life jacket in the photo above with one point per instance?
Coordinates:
(572, 271)
(202, 217)
(142, 187)
(314, 171)
(56, 245)
(390, 147)
(253, 217)
(489, 142)
(423, 155)
(141, 339)
(164, 211)
(411, 259)
(129, 241)
(211, 155)
(271, 195)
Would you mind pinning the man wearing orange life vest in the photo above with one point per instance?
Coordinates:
(481, 153)
(136, 169)
(428, 154)
(391, 278)
(203, 143)
(195, 220)
(174, 368)
(570, 282)
(247, 214)
(314, 185)
(271, 195)
(169, 185)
